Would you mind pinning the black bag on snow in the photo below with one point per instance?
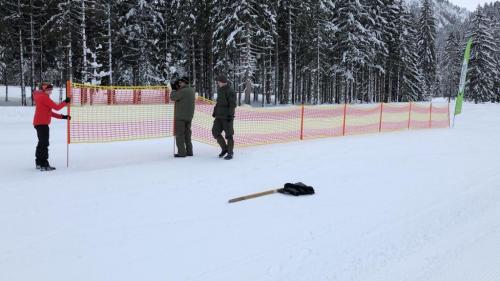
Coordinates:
(296, 189)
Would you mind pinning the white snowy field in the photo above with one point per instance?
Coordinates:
(417, 205)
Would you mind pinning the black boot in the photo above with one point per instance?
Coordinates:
(222, 153)
(229, 156)
(47, 168)
(223, 146)
(179, 155)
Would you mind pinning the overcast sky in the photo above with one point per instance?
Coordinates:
(470, 5)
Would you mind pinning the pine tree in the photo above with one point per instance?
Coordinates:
(496, 27)
(6, 53)
(452, 60)
(410, 73)
(14, 16)
(63, 21)
(482, 67)
(247, 30)
(384, 67)
(354, 41)
(427, 46)
(321, 42)
(141, 28)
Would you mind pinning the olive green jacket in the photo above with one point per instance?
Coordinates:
(226, 103)
(184, 103)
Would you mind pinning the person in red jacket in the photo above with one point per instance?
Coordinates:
(41, 121)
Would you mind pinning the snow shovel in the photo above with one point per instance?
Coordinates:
(295, 189)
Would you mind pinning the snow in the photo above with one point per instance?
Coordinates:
(413, 205)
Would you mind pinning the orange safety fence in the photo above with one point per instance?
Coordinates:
(105, 114)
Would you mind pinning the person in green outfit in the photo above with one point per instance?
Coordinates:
(184, 96)
(224, 117)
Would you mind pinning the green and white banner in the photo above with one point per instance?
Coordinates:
(463, 77)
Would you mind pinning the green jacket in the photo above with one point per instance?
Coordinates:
(184, 103)
(226, 103)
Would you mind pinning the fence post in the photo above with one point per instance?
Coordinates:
(381, 110)
(83, 95)
(430, 116)
(409, 117)
(92, 94)
(167, 95)
(302, 123)
(345, 116)
(173, 130)
(449, 124)
(68, 127)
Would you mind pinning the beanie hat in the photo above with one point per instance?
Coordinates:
(47, 86)
(222, 78)
(184, 79)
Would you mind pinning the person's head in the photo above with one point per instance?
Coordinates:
(183, 82)
(47, 87)
(221, 80)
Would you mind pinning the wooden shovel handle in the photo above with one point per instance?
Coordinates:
(250, 196)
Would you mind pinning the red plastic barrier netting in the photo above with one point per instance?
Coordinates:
(395, 117)
(362, 119)
(104, 114)
(323, 121)
(440, 116)
(426, 116)
(252, 126)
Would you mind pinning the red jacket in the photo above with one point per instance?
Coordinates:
(44, 107)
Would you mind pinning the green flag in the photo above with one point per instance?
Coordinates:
(463, 77)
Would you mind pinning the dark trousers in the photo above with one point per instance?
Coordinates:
(183, 137)
(42, 149)
(226, 126)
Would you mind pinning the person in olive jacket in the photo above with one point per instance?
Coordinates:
(224, 117)
(184, 97)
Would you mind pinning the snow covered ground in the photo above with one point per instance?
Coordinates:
(418, 205)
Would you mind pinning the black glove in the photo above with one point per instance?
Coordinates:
(66, 117)
(230, 118)
(175, 85)
(67, 100)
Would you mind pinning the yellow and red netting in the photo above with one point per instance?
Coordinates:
(106, 114)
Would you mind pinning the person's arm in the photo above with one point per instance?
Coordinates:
(231, 100)
(175, 96)
(50, 103)
(60, 116)
(56, 115)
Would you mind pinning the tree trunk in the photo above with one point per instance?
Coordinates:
(290, 50)
(317, 67)
(61, 73)
(21, 62)
(110, 47)
(247, 60)
(32, 42)
(84, 44)
(264, 73)
(6, 82)
(210, 66)
(201, 88)
(193, 61)
(294, 79)
(40, 77)
(275, 72)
